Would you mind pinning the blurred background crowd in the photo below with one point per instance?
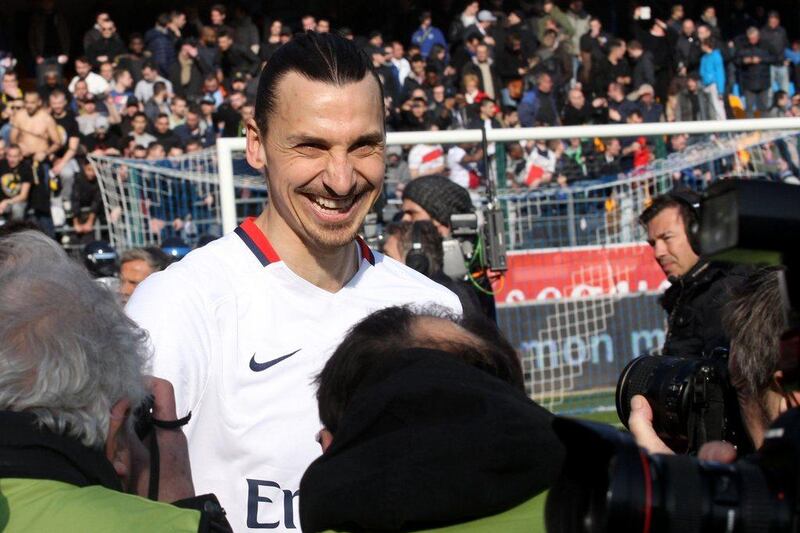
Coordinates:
(103, 80)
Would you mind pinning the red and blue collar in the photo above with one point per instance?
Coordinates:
(258, 243)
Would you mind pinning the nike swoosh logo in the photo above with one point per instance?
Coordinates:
(258, 367)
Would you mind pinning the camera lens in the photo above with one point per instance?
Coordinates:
(667, 383)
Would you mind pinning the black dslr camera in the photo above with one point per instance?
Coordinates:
(620, 488)
(692, 400)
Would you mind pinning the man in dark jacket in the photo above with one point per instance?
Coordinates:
(754, 62)
(700, 288)
(687, 49)
(774, 39)
(160, 41)
(426, 425)
(108, 47)
(644, 70)
(87, 203)
(234, 58)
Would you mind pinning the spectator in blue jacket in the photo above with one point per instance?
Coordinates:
(538, 105)
(160, 41)
(793, 56)
(712, 75)
(427, 35)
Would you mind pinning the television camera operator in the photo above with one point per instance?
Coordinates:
(419, 245)
(699, 287)
(436, 199)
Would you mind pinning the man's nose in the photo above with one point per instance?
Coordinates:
(660, 249)
(340, 178)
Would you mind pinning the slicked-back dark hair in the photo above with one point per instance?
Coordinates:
(325, 57)
(688, 215)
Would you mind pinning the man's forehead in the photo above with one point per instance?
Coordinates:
(304, 103)
(668, 218)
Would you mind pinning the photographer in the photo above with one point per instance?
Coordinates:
(426, 425)
(699, 287)
(755, 321)
(70, 380)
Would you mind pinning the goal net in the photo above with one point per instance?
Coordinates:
(147, 202)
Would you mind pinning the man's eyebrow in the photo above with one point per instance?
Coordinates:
(306, 139)
(369, 139)
(373, 138)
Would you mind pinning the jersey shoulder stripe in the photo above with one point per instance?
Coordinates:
(255, 239)
(258, 243)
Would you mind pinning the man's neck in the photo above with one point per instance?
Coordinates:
(329, 270)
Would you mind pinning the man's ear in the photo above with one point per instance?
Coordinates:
(789, 399)
(117, 450)
(254, 148)
(326, 439)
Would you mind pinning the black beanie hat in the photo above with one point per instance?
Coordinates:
(439, 196)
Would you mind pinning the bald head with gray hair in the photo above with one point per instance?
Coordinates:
(68, 353)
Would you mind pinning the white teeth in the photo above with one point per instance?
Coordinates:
(329, 203)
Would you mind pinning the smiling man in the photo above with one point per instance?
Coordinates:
(700, 288)
(243, 325)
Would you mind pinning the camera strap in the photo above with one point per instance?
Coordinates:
(155, 458)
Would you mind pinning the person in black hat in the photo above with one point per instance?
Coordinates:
(435, 198)
(426, 425)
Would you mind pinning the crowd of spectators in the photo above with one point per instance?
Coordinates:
(179, 85)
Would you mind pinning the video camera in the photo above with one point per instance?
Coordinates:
(477, 240)
(610, 484)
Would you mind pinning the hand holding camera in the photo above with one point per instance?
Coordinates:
(163, 469)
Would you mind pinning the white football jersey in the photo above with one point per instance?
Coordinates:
(242, 337)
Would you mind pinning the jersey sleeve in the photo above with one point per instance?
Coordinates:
(178, 320)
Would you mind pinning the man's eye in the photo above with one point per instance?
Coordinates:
(364, 149)
(309, 148)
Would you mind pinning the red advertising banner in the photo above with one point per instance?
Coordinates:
(580, 272)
